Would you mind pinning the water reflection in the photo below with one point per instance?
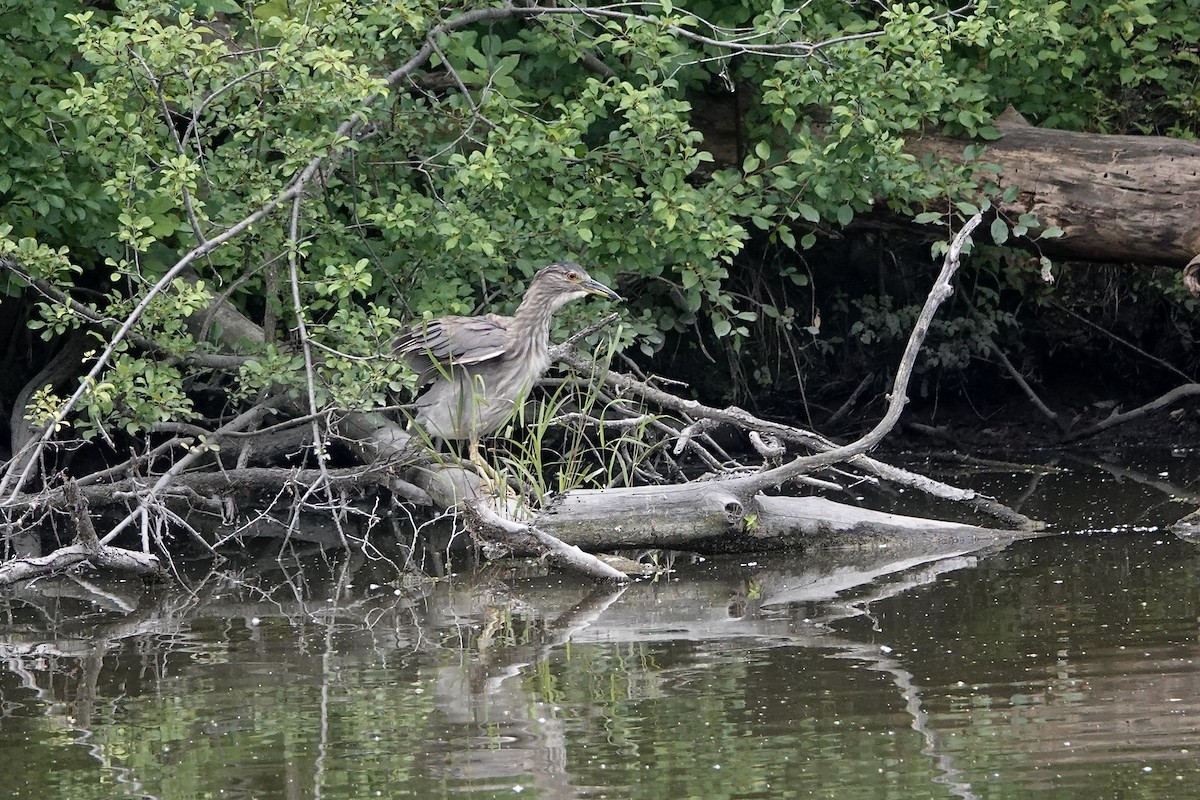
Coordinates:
(1063, 666)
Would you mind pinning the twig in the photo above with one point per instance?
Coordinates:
(845, 407)
(588, 419)
(767, 445)
(1054, 417)
(1122, 341)
(585, 332)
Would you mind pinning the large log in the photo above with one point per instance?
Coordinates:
(1116, 198)
(716, 517)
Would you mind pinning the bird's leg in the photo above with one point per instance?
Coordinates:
(503, 498)
(491, 481)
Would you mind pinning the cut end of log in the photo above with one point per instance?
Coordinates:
(1191, 276)
(1012, 118)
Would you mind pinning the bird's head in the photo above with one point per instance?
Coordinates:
(565, 280)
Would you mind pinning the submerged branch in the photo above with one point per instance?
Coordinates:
(1120, 418)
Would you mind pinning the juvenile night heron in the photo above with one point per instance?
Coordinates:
(480, 368)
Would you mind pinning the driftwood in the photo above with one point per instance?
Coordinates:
(708, 517)
(86, 549)
(728, 512)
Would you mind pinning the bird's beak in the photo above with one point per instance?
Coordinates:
(593, 286)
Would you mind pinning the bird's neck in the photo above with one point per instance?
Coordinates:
(535, 315)
(531, 330)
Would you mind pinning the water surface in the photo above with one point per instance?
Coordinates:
(1058, 667)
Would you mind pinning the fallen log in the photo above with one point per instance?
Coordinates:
(714, 517)
(1116, 198)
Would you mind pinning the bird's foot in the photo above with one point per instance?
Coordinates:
(497, 492)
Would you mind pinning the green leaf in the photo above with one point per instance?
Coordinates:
(999, 231)
(808, 212)
(925, 217)
(844, 215)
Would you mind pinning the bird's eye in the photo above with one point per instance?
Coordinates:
(572, 275)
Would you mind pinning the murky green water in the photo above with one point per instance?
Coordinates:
(1058, 667)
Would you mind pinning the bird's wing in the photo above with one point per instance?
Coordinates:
(446, 341)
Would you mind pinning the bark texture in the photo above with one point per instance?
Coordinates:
(1116, 198)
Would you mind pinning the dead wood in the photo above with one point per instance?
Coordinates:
(87, 548)
(1191, 276)
(816, 522)
(720, 513)
(694, 413)
(114, 559)
(1116, 198)
(728, 512)
(1120, 418)
(500, 531)
(1054, 417)
(706, 517)
(824, 452)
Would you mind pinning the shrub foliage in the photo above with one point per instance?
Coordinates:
(336, 167)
